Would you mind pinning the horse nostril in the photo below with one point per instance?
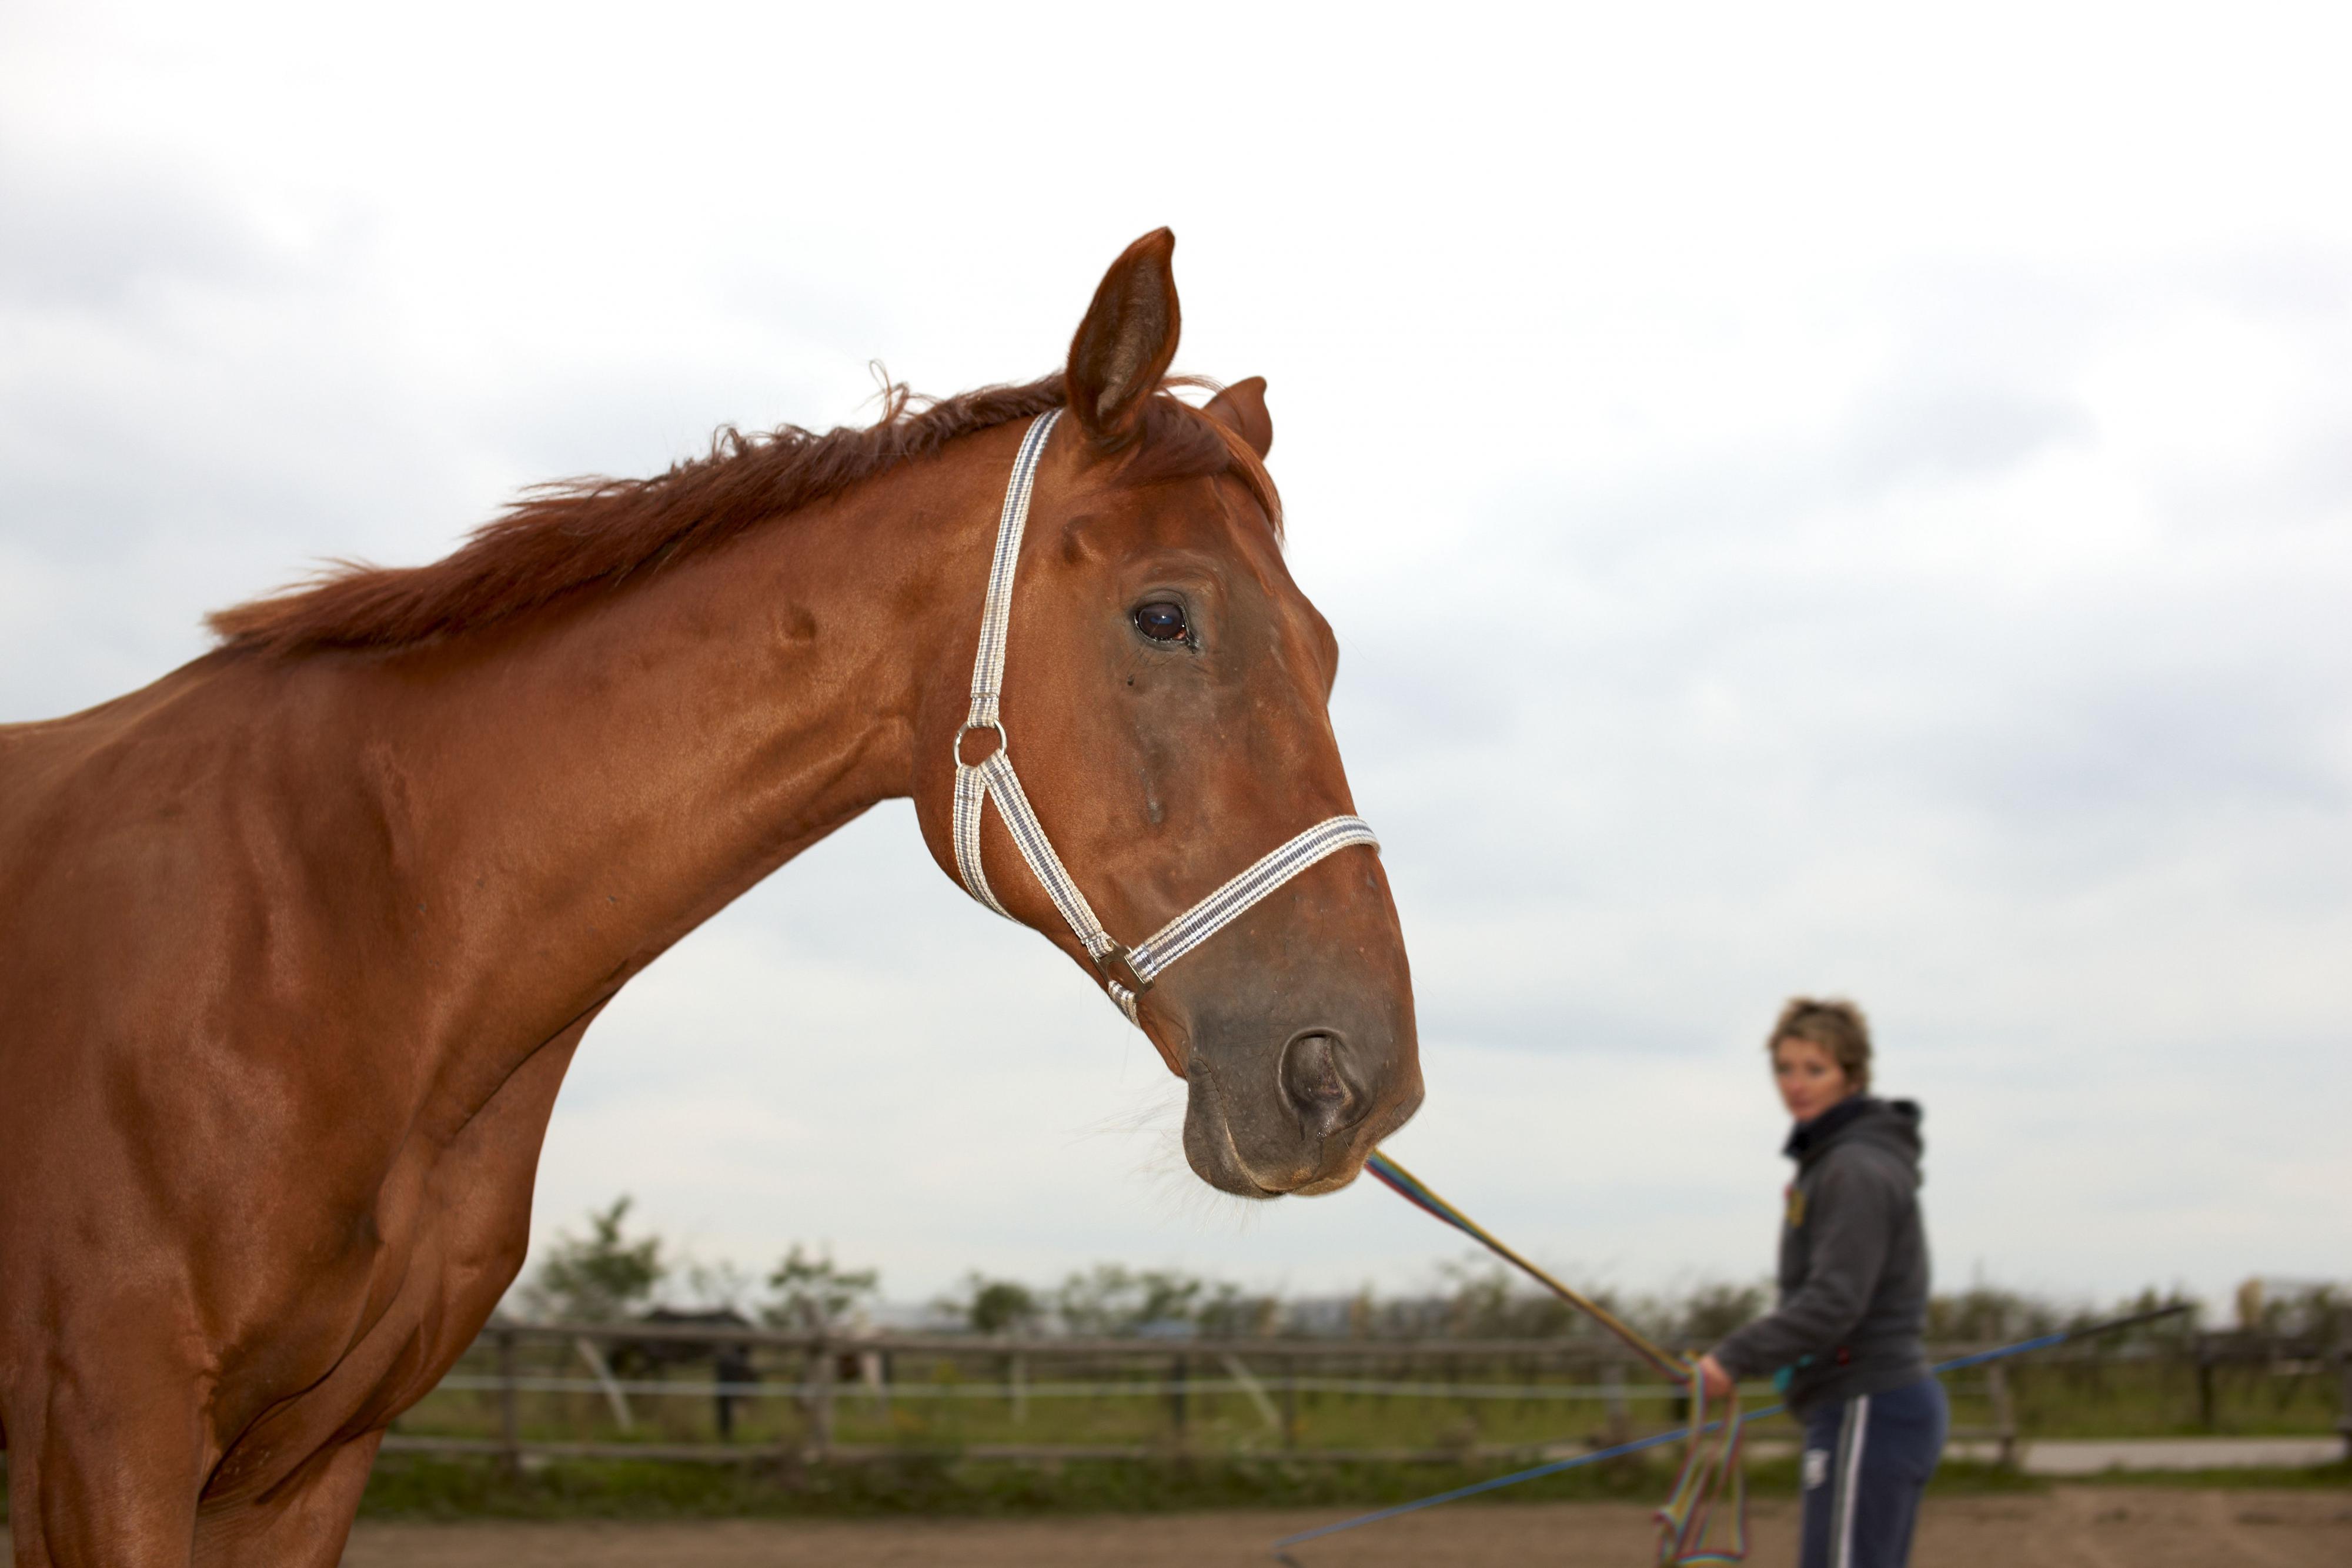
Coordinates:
(1313, 1082)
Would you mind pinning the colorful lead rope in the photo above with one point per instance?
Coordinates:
(1709, 1469)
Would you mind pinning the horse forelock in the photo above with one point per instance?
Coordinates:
(585, 535)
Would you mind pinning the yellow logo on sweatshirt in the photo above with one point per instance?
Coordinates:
(1796, 1206)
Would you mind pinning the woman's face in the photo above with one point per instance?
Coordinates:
(1809, 1077)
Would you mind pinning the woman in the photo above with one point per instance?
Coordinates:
(1844, 1341)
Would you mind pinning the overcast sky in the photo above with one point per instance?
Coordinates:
(1821, 503)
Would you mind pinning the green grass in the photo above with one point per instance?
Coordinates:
(1229, 1421)
(421, 1487)
(418, 1487)
(2053, 1398)
(2060, 1399)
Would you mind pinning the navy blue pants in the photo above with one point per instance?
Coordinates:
(1865, 1461)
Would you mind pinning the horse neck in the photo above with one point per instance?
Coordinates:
(580, 794)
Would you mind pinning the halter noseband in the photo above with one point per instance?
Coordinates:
(1126, 972)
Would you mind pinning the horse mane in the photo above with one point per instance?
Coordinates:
(580, 535)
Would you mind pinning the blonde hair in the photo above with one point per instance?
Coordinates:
(1833, 1024)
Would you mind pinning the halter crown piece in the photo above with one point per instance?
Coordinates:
(1126, 972)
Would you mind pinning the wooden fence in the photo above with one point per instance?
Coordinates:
(798, 1386)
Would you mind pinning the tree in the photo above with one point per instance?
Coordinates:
(1112, 1299)
(1232, 1313)
(1488, 1301)
(1714, 1310)
(814, 1294)
(999, 1306)
(1103, 1300)
(1986, 1314)
(598, 1278)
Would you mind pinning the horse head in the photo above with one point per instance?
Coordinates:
(1164, 701)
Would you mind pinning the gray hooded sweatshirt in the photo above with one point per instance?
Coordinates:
(1854, 1260)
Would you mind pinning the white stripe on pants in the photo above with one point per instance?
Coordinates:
(1847, 1468)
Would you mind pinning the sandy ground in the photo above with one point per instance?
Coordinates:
(2073, 1526)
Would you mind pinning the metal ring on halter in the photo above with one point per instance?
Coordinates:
(1003, 741)
(1119, 965)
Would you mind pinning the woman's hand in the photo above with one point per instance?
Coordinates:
(1713, 1378)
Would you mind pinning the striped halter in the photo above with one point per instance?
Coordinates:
(1126, 972)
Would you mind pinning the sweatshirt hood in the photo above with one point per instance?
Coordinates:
(1889, 1125)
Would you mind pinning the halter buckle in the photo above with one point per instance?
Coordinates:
(1118, 966)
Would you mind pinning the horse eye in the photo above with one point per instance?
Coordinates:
(1162, 620)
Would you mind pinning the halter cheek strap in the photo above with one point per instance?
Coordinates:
(1126, 973)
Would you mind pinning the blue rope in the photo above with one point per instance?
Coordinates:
(2042, 1342)
(1498, 1482)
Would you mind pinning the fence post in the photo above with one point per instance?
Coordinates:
(2004, 1414)
(791, 1430)
(2344, 1382)
(1018, 1374)
(1290, 1401)
(1178, 1375)
(2205, 1411)
(510, 1417)
(821, 1373)
(1621, 1418)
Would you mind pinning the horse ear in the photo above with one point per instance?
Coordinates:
(1126, 341)
(1242, 407)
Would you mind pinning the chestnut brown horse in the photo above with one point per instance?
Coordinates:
(297, 943)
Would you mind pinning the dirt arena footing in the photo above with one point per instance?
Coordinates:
(2068, 1527)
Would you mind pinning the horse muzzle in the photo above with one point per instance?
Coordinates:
(1298, 1116)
